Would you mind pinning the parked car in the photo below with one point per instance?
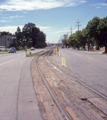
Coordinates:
(32, 48)
(2, 48)
(12, 50)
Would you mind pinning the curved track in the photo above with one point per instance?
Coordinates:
(55, 97)
(102, 95)
(52, 94)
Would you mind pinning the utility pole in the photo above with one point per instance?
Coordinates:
(71, 30)
(67, 34)
(78, 24)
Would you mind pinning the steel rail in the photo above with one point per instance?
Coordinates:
(52, 94)
(102, 95)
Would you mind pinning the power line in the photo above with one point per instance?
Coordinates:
(92, 10)
(87, 11)
(78, 24)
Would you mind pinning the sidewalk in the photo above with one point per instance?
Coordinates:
(27, 102)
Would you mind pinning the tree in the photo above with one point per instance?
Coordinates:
(91, 31)
(71, 40)
(102, 33)
(92, 27)
(97, 30)
(32, 34)
(18, 30)
(41, 44)
(19, 36)
(80, 40)
(5, 33)
(65, 42)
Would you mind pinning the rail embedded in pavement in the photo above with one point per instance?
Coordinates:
(52, 94)
(102, 95)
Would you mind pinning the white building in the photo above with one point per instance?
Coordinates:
(6, 40)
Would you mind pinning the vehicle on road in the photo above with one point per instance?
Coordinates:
(12, 50)
(2, 48)
(32, 48)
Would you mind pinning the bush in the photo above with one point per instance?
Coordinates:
(41, 45)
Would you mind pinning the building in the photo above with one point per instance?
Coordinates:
(6, 40)
(65, 37)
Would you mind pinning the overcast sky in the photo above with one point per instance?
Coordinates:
(53, 17)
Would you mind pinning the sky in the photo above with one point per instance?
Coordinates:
(54, 17)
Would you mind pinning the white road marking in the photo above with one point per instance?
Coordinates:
(89, 58)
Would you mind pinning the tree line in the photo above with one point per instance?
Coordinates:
(30, 35)
(94, 32)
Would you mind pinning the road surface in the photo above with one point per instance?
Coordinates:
(92, 66)
(17, 97)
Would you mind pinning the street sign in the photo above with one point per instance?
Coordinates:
(57, 49)
(26, 48)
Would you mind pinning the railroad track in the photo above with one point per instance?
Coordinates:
(68, 92)
(99, 93)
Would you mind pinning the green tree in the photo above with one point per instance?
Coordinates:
(71, 40)
(102, 33)
(19, 36)
(91, 30)
(65, 42)
(80, 39)
(32, 34)
(92, 27)
(5, 33)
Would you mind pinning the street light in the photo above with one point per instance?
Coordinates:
(24, 40)
(31, 41)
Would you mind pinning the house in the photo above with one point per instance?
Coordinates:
(6, 40)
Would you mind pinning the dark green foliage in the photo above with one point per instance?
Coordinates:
(41, 44)
(80, 40)
(102, 33)
(96, 30)
(32, 36)
(65, 42)
(5, 33)
(77, 40)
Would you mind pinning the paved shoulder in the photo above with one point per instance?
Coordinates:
(27, 102)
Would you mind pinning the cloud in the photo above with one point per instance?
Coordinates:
(24, 12)
(16, 16)
(44, 27)
(21, 5)
(98, 5)
(9, 18)
(11, 29)
(3, 21)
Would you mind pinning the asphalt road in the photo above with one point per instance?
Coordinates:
(17, 97)
(92, 66)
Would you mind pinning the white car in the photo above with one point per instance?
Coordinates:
(2, 48)
(32, 48)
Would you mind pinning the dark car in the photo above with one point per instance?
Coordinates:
(12, 50)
